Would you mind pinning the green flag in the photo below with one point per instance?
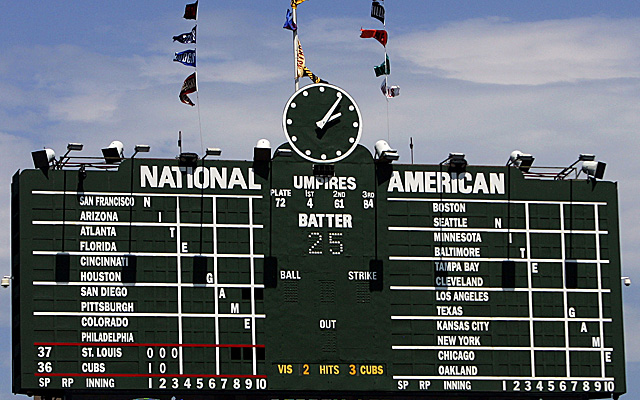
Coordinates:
(383, 69)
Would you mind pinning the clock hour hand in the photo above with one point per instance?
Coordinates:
(329, 116)
(334, 116)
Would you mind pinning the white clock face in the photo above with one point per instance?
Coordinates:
(322, 123)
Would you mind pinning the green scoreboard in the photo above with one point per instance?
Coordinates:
(320, 272)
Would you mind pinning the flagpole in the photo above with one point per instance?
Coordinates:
(294, 17)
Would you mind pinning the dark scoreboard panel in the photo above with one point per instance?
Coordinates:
(287, 279)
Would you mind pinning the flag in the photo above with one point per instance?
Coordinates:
(377, 11)
(378, 34)
(384, 68)
(393, 91)
(187, 57)
(300, 64)
(186, 37)
(314, 78)
(301, 68)
(294, 3)
(289, 24)
(191, 11)
(189, 86)
(389, 91)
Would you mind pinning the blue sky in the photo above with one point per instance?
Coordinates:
(551, 78)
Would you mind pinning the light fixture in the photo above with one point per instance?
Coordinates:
(594, 169)
(74, 147)
(626, 280)
(188, 159)
(42, 159)
(141, 148)
(6, 281)
(262, 151)
(282, 153)
(114, 152)
(521, 160)
(213, 151)
(586, 157)
(384, 152)
(456, 162)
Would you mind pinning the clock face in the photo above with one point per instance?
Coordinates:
(322, 123)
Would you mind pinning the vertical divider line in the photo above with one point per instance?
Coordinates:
(179, 273)
(252, 277)
(596, 216)
(214, 209)
(564, 292)
(530, 291)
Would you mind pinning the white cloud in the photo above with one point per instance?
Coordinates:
(93, 107)
(500, 51)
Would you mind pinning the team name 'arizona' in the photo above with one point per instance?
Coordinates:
(201, 177)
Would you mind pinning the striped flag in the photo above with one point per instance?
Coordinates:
(377, 10)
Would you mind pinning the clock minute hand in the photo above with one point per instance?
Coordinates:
(320, 124)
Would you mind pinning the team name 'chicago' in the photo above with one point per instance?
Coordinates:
(200, 177)
(445, 182)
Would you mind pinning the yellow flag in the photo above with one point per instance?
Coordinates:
(300, 65)
(301, 68)
(314, 79)
(294, 3)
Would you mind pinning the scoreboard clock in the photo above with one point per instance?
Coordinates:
(322, 123)
(276, 279)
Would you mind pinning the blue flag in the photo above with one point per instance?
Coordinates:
(186, 37)
(289, 24)
(187, 57)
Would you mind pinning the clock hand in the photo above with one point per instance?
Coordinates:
(334, 116)
(320, 124)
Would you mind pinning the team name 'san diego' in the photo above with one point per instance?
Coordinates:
(176, 177)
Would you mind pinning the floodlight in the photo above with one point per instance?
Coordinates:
(188, 159)
(114, 153)
(74, 146)
(384, 152)
(6, 281)
(43, 158)
(586, 157)
(594, 169)
(456, 161)
(521, 160)
(626, 280)
(282, 153)
(213, 151)
(140, 148)
(262, 151)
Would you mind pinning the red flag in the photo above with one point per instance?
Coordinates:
(379, 34)
(191, 11)
(189, 86)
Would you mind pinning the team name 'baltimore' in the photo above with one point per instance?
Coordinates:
(445, 182)
(200, 177)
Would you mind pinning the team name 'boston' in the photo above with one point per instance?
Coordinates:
(200, 177)
(445, 182)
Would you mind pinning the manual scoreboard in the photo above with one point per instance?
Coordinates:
(321, 272)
